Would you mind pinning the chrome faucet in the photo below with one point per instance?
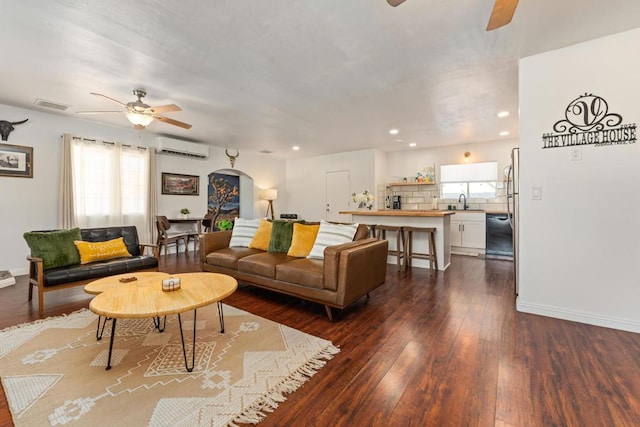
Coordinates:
(464, 204)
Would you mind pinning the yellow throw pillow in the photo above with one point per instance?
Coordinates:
(303, 238)
(95, 251)
(262, 236)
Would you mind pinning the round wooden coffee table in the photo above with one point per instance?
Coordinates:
(144, 298)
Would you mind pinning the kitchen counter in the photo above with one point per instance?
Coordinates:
(401, 212)
(422, 213)
(440, 220)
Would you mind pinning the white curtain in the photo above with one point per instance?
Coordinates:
(110, 185)
(152, 202)
(66, 210)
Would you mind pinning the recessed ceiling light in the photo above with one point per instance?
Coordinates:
(504, 133)
(412, 144)
(295, 148)
(394, 131)
(502, 114)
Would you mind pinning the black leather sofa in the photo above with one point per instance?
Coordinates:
(81, 274)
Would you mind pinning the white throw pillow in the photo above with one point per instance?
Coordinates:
(330, 235)
(243, 231)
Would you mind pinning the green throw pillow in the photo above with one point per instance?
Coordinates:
(56, 248)
(281, 234)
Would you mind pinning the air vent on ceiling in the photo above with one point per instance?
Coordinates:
(177, 147)
(50, 104)
(266, 152)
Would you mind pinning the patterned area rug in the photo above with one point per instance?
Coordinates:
(53, 371)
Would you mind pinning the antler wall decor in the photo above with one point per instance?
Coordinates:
(232, 159)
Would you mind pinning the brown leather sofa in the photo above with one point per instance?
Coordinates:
(347, 272)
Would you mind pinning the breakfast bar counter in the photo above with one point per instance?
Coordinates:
(440, 220)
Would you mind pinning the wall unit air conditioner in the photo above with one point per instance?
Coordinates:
(176, 147)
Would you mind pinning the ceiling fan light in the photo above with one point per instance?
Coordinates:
(139, 119)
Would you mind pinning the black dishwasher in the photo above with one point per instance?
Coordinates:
(499, 237)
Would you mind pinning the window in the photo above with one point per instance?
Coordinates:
(474, 180)
(110, 184)
(133, 180)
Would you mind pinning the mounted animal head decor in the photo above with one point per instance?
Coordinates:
(6, 128)
(232, 159)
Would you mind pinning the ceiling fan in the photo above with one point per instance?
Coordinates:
(141, 114)
(501, 15)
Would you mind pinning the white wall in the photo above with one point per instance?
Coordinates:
(408, 163)
(373, 169)
(32, 203)
(579, 245)
(381, 172)
(306, 180)
(266, 173)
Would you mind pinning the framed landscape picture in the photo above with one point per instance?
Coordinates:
(223, 197)
(16, 160)
(181, 185)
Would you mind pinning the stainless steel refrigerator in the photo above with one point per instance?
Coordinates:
(512, 207)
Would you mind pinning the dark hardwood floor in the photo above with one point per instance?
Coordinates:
(448, 350)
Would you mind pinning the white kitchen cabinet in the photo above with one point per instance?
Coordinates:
(468, 230)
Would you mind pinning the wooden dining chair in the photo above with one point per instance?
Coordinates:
(166, 237)
(207, 224)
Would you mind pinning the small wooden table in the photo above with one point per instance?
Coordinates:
(195, 234)
(196, 221)
(144, 298)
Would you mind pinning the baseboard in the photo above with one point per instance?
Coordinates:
(578, 316)
(21, 271)
(464, 253)
(461, 250)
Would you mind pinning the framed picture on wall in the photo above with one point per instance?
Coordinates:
(16, 160)
(223, 197)
(180, 185)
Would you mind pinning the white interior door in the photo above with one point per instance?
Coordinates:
(338, 186)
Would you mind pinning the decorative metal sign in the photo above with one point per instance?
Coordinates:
(588, 122)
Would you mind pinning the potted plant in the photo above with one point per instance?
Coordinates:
(224, 224)
(185, 212)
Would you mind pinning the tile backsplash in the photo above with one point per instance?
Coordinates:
(419, 197)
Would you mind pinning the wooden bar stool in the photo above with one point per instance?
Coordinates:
(372, 230)
(399, 252)
(409, 254)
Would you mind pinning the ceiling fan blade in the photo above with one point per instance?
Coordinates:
(98, 112)
(502, 13)
(109, 98)
(172, 122)
(165, 108)
(395, 3)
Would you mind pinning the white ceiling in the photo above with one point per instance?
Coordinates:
(326, 75)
